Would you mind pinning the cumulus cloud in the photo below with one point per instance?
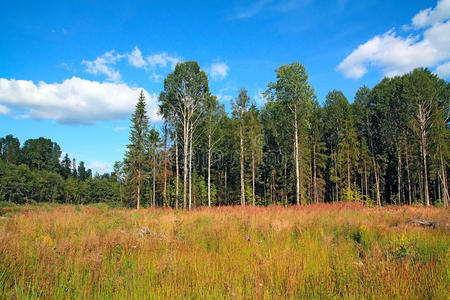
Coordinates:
(224, 98)
(4, 110)
(431, 16)
(218, 71)
(100, 167)
(104, 65)
(396, 55)
(259, 98)
(74, 101)
(135, 58)
(162, 60)
(444, 70)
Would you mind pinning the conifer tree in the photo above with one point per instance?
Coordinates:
(135, 156)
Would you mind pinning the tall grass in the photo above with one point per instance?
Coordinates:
(320, 251)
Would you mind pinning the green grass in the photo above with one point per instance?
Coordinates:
(313, 252)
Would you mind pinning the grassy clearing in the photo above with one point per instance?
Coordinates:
(320, 251)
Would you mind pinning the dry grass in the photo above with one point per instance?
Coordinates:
(320, 251)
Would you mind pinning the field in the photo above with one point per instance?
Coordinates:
(311, 252)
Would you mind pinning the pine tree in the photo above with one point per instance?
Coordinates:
(66, 164)
(135, 156)
(74, 168)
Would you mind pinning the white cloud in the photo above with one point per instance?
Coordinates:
(218, 71)
(444, 70)
(105, 64)
(135, 58)
(396, 55)
(120, 128)
(162, 59)
(4, 110)
(100, 167)
(224, 98)
(431, 16)
(74, 101)
(102, 65)
(155, 77)
(259, 98)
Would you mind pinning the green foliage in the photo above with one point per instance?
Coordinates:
(20, 184)
(135, 157)
(201, 192)
(390, 146)
(10, 149)
(41, 154)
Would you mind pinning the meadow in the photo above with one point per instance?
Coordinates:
(323, 251)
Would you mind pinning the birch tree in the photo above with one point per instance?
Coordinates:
(293, 89)
(255, 143)
(184, 95)
(425, 90)
(240, 108)
(214, 114)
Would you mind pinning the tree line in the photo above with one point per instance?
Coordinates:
(35, 172)
(389, 146)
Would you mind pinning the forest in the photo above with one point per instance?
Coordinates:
(390, 145)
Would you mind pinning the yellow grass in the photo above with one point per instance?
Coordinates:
(320, 251)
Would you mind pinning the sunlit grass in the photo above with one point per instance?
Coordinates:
(321, 251)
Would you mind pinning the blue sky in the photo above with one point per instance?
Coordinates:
(71, 70)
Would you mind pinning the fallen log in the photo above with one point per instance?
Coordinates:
(428, 223)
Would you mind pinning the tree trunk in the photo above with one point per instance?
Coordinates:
(348, 176)
(226, 186)
(438, 188)
(209, 170)
(377, 182)
(409, 178)
(365, 180)
(423, 115)
(285, 183)
(177, 169)
(190, 167)
(399, 175)
(273, 186)
(242, 165)
(253, 178)
(185, 162)
(138, 188)
(444, 179)
(154, 179)
(362, 185)
(296, 154)
(336, 176)
(165, 167)
(427, 193)
(265, 187)
(316, 194)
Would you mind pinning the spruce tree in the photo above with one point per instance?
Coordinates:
(135, 156)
